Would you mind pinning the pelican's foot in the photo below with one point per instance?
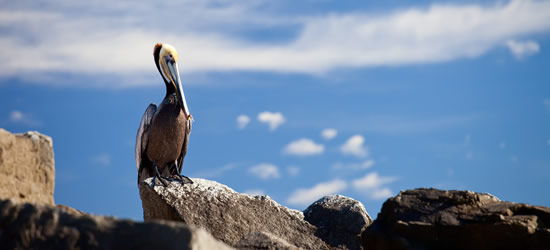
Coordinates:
(182, 179)
(160, 178)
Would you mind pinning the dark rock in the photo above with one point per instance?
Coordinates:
(27, 171)
(340, 220)
(229, 216)
(28, 226)
(263, 240)
(436, 219)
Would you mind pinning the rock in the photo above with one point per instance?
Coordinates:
(436, 219)
(340, 220)
(37, 226)
(69, 209)
(229, 216)
(27, 172)
(263, 240)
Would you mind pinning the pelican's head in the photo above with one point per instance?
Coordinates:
(166, 59)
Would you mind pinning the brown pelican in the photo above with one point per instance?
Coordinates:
(163, 134)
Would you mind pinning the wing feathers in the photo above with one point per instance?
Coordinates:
(143, 133)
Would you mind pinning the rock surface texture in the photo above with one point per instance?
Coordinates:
(339, 220)
(226, 214)
(27, 172)
(263, 240)
(30, 226)
(437, 219)
(238, 219)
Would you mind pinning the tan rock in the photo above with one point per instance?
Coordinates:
(263, 240)
(27, 171)
(229, 216)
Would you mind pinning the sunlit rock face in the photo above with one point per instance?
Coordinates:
(27, 171)
(438, 219)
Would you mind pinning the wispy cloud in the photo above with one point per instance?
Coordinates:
(354, 146)
(522, 49)
(373, 185)
(26, 119)
(380, 194)
(329, 133)
(16, 116)
(372, 180)
(102, 160)
(394, 124)
(273, 119)
(546, 103)
(293, 171)
(265, 171)
(305, 196)
(210, 36)
(353, 166)
(242, 121)
(303, 147)
(216, 172)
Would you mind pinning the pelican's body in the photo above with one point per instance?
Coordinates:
(163, 134)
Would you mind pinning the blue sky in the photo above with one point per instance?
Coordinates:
(292, 100)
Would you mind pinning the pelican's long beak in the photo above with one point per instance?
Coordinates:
(175, 76)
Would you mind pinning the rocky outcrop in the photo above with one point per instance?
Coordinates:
(30, 226)
(339, 220)
(248, 221)
(216, 217)
(27, 172)
(226, 214)
(437, 219)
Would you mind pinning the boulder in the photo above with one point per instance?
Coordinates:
(437, 219)
(27, 172)
(38, 226)
(229, 216)
(339, 220)
(263, 240)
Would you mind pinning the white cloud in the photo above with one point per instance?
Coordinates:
(209, 36)
(354, 166)
(373, 185)
(16, 116)
(242, 121)
(274, 120)
(381, 194)
(254, 192)
(547, 104)
(303, 147)
(372, 180)
(548, 141)
(293, 171)
(304, 196)
(329, 133)
(522, 49)
(354, 146)
(19, 117)
(102, 159)
(265, 171)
